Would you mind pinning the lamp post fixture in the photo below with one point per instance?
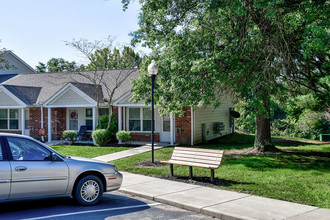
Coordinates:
(152, 69)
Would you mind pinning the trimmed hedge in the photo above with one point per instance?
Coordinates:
(101, 137)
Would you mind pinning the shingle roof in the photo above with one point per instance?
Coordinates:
(28, 95)
(90, 90)
(50, 83)
(5, 77)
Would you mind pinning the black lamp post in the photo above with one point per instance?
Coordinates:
(152, 69)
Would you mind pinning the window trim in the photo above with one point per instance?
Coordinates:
(141, 119)
(9, 119)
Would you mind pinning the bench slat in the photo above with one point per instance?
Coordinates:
(195, 161)
(198, 153)
(183, 163)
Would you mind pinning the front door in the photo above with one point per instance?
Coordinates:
(165, 134)
(5, 174)
(33, 172)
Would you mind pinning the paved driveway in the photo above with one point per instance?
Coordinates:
(114, 205)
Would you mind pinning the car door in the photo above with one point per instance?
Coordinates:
(33, 171)
(5, 173)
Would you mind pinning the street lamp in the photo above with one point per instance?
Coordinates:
(152, 69)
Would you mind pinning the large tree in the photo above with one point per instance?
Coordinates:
(206, 48)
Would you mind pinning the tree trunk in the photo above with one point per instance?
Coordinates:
(110, 113)
(263, 139)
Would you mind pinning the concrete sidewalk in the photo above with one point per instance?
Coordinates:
(218, 203)
(130, 152)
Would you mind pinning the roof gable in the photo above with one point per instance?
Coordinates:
(20, 66)
(28, 95)
(68, 96)
(8, 99)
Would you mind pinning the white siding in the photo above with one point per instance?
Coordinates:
(208, 116)
(69, 97)
(6, 100)
(19, 67)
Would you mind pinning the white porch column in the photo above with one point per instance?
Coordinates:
(124, 118)
(94, 118)
(49, 124)
(119, 119)
(172, 129)
(23, 120)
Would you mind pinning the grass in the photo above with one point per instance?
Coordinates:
(86, 151)
(301, 174)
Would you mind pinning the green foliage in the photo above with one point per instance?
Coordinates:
(123, 136)
(257, 49)
(107, 58)
(104, 122)
(101, 137)
(113, 129)
(70, 135)
(56, 65)
(113, 126)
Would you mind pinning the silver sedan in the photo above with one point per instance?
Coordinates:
(31, 169)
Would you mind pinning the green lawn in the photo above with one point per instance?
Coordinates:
(86, 151)
(302, 174)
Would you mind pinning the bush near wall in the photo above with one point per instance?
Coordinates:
(101, 137)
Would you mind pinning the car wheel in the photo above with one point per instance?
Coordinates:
(89, 190)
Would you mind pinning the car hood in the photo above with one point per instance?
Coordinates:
(85, 159)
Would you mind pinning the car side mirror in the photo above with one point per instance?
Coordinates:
(54, 157)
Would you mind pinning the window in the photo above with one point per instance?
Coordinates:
(103, 111)
(134, 119)
(166, 124)
(13, 118)
(146, 119)
(9, 119)
(27, 150)
(73, 119)
(89, 118)
(3, 118)
(139, 119)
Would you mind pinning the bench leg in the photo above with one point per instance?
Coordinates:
(190, 172)
(212, 175)
(171, 169)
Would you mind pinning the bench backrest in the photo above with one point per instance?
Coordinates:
(204, 157)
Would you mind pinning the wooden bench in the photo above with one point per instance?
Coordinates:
(195, 157)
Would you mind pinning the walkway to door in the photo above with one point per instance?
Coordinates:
(127, 153)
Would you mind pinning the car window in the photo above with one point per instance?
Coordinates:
(26, 150)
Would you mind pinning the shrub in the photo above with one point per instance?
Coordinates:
(104, 122)
(101, 137)
(123, 136)
(70, 135)
(113, 128)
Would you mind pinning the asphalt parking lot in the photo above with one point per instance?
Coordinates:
(114, 205)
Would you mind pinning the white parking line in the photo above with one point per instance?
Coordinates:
(90, 211)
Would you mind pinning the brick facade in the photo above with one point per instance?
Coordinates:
(183, 128)
(58, 122)
(145, 137)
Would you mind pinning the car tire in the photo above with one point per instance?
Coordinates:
(88, 191)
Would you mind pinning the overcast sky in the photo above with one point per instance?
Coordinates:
(35, 30)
